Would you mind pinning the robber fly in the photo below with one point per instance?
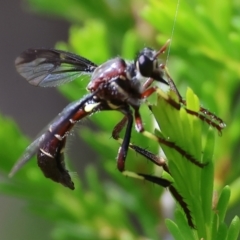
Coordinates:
(117, 85)
(114, 85)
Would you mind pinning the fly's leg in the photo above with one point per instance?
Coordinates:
(159, 161)
(203, 113)
(140, 128)
(122, 152)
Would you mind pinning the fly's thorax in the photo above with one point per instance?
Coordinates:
(108, 71)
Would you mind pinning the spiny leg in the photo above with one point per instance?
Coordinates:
(203, 113)
(162, 68)
(122, 153)
(140, 128)
(153, 158)
(172, 145)
(160, 140)
(159, 161)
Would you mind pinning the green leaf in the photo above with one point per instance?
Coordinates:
(186, 232)
(234, 229)
(173, 228)
(223, 203)
(222, 232)
(207, 178)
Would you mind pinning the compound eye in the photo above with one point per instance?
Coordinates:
(145, 66)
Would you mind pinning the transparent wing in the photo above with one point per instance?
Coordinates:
(30, 151)
(50, 67)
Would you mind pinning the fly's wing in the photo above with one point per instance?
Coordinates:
(62, 117)
(30, 151)
(50, 67)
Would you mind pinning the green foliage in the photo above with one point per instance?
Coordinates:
(194, 183)
(116, 15)
(203, 55)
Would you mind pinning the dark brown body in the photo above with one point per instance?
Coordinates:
(50, 153)
(112, 90)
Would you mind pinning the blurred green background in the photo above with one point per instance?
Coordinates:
(204, 54)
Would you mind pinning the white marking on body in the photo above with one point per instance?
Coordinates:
(50, 128)
(71, 121)
(90, 107)
(46, 153)
(60, 138)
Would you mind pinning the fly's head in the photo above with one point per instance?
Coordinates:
(146, 62)
(148, 65)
